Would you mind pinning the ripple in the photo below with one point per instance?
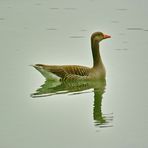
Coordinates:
(9, 7)
(121, 49)
(69, 8)
(122, 9)
(135, 28)
(83, 30)
(2, 19)
(77, 36)
(54, 8)
(121, 34)
(115, 21)
(125, 42)
(38, 4)
(25, 28)
(52, 29)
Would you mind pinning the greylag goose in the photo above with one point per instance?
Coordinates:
(76, 72)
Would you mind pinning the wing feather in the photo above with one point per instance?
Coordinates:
(66, 71)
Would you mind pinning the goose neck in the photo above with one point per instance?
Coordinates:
(96, 54)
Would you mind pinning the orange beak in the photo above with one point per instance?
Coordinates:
(106, 36)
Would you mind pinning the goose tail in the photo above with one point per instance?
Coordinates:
(46, 73)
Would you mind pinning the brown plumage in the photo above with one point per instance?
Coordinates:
(76, 72)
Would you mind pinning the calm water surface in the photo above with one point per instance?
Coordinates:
(108, 114)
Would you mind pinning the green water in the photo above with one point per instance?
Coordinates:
(36, 113)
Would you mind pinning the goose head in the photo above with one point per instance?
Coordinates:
(99, 36)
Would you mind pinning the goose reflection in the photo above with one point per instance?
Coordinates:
(50, 88)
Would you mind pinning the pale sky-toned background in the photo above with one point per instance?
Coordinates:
(58, 32)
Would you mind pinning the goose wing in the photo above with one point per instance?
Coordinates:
(64, 71)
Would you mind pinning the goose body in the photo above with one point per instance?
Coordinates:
(77, 72)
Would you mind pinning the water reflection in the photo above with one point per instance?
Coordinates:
(50, 88)
(100, 119)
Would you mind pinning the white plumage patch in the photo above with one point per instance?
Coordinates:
(47, 74)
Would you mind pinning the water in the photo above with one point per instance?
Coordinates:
(58, 32)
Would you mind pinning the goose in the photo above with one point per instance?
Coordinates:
(77, 72)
